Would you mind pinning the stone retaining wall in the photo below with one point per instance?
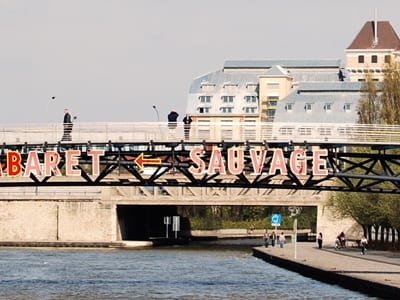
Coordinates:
(57, 221)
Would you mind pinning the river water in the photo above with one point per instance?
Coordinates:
(188, 272)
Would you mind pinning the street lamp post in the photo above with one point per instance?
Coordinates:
(158, 119)
(53, 98)
(158, 115)
(294, 212)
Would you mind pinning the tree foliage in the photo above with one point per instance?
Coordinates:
(390, 97)
(243, 216)
(368, 107)
(379, 104)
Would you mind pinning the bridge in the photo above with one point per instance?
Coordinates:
(116, 181)
(302, 156)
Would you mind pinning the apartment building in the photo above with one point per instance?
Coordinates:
(294, 90)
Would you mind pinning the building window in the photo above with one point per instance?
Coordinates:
(226, 129)
(374, 59)
(308, 107)
(203, 129)
(286, 130)
(272, 98)
(272, 103)
(207, 87)
(250, 99)
(250, 129)
(227, 99)
(251, 87)
(203, 110)
(328, 107)
(271, 112)
(289, 107)
(387, 59)
(226, 109)
(304, 131)
(344, 131)
(325, 131)
(249, 110)
(205, 99)
(361, 59)
(230, 87)
(347, 107)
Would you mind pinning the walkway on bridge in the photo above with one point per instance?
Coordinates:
(376, 273)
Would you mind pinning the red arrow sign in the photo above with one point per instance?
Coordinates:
(141, 161)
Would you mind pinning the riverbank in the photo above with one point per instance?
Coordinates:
(241, 233)
(57, 244)
(377, 273)
(193, 236)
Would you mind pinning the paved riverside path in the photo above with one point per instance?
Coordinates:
(376, 273)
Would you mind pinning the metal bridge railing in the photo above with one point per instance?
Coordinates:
(199, 131)
(54, 193)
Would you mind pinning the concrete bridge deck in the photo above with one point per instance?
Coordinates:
(377, 273)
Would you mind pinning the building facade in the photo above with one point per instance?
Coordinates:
(294, 90)
(376, 45)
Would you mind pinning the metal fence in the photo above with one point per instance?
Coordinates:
(200, 131)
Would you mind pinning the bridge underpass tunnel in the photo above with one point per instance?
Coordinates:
(142, 222)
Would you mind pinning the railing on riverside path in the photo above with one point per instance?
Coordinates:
(318, 133)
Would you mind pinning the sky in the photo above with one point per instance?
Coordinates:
(113, 60)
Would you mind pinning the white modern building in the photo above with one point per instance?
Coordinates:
(294, 90)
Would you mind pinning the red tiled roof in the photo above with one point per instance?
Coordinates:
(387, 37)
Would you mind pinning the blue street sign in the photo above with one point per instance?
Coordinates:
(276, 220)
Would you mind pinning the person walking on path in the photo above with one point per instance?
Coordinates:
(319, 240)
(266, 238)
(364, 243)
(187, 120)
(282, 240)
(342, 238)
(67, 123)
(273, 239)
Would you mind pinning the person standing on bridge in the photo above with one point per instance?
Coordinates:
(187, 120)
(172, 122)
(67, 123)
